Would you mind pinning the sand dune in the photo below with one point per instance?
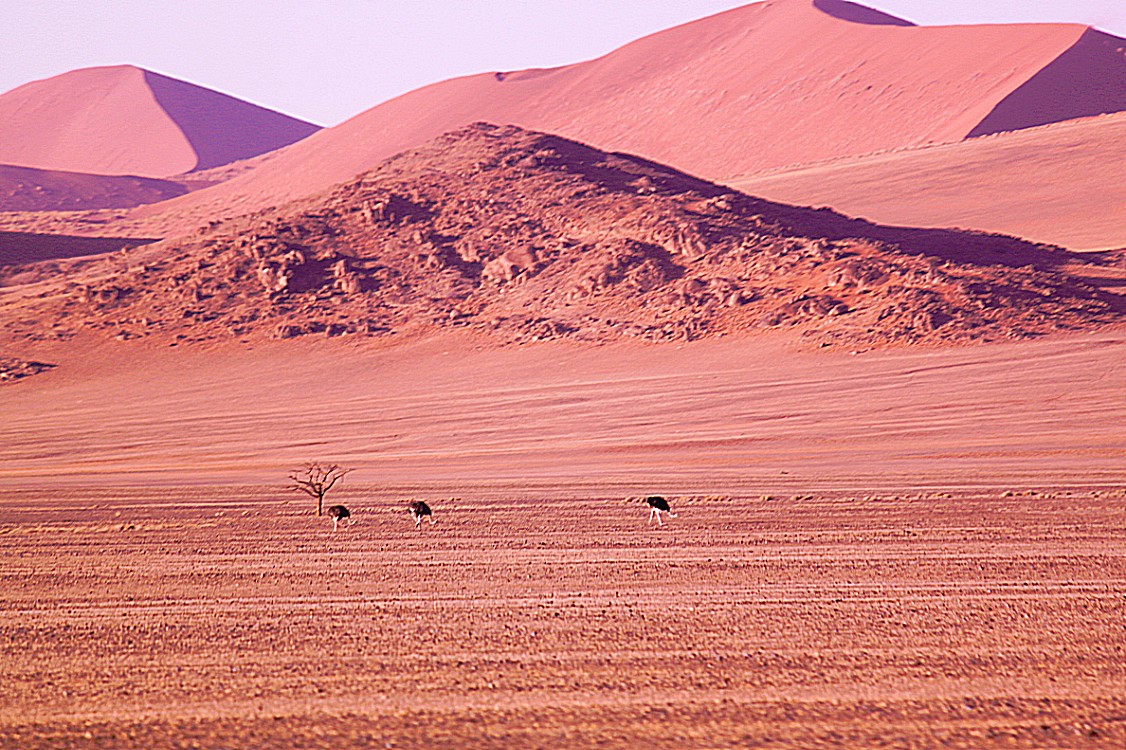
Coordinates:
(1060, 184)
(123, 120)
(878, 544)
(766, 85)
(28, 189)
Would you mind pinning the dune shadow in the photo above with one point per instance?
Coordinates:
(220, 128)
(1084, 81)
(22, 248)
(855, 13)
(954, 245)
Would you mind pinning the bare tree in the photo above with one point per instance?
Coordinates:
(316, 479)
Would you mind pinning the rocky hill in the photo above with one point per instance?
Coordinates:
(527, 236)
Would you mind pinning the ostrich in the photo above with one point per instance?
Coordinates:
(657, 506)
(339, 513)
(418, 509)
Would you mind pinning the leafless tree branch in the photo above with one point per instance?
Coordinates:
(316, 479)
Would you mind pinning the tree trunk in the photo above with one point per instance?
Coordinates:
(320, 504)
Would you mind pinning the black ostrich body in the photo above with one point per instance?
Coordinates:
(418, 511)
(657, 506)
(338, 513)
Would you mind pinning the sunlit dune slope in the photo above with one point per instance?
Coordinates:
(758, 87)
(1060, 184)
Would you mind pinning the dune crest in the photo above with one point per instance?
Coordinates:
(856, 13)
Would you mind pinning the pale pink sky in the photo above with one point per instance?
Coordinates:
(326, 60)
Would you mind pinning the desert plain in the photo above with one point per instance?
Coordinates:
(918, 548)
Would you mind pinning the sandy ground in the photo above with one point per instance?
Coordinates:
(911, 548)
(233, 617)
(455, 414)
(998, 184)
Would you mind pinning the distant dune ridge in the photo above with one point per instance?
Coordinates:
(760, 87)
(30, 189)
(23, 248)
(123, 120)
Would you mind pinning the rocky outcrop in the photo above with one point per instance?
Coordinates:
(527, 236)
(13, 369)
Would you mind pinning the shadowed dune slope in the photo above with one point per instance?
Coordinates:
(1060, 184)
(1087, 79)
(220, 128)
(22, 248)
(29, 189)
(857, 13)
(762, 86)
(122, 120)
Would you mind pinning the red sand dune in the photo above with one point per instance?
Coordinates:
(29, 189)
(762, 86)
(1060, 184)
(124, 120)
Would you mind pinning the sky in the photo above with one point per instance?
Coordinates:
(326, 60)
